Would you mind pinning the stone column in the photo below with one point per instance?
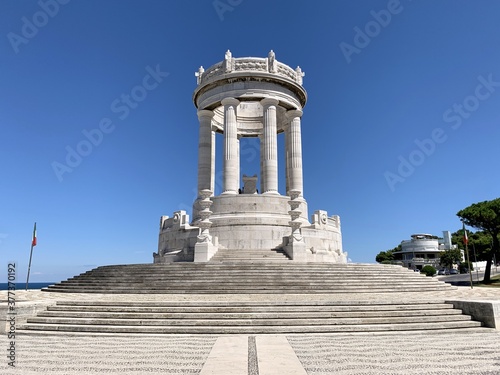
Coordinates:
(287, 159)
(231, 160)
(212, 179)
(270, 146)
(206, 170)
(261, 164)
(238, 170)
(294, 154)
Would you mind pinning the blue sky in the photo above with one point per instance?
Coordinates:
(401, 128)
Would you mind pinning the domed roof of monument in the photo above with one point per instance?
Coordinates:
(246, 69)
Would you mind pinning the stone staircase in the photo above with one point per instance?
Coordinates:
(251, 297)
(249, 278)
(263, 317)
(249, 255)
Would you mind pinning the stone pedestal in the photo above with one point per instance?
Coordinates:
(296, 247)
(297, 251)
(204, 249)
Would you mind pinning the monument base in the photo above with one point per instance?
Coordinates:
(246, 222)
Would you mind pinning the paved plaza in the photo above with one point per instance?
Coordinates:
(443, 353)
(464, 352)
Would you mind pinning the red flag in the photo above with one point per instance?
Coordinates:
(466, 239)
(33, 241)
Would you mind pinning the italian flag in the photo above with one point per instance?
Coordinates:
(466, 239)
(33, 241)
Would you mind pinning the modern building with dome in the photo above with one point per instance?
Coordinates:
(424, 249)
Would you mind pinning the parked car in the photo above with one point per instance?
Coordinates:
(453, 272)
(444, 272)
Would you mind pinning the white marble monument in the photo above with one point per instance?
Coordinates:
(250, 97)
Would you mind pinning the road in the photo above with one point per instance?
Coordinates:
(464, 279)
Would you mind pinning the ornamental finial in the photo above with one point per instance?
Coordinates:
(199, 74)
(299, 74)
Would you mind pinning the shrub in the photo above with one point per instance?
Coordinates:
(428, 270)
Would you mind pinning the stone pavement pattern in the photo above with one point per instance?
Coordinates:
(454, 353)
(443, 353)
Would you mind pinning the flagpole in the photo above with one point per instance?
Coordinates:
(33, 243)
(466, 242)
(468, 261)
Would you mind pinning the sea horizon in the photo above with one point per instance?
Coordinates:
(33, 285)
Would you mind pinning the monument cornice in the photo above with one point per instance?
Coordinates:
(250, 69)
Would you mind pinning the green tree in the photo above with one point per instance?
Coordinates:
(485, 216)
(448, 258)
(384, 257)
(479, 243)
(387, 256)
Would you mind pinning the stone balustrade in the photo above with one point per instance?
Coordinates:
(249, 64)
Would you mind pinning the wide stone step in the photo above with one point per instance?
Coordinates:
(195, 286)
(248, 278)
(257, 321)
(216, 315)
(256, 273)
(261, 306)
(250, 253)
(189, 265)
(255, 268)
(246, 257)
(237, 291)
(248, 288)
(251, 280)
(240, 317)
(268, 275)
(327, 283)
(284, 266)
(345, 328)
(255, 255)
